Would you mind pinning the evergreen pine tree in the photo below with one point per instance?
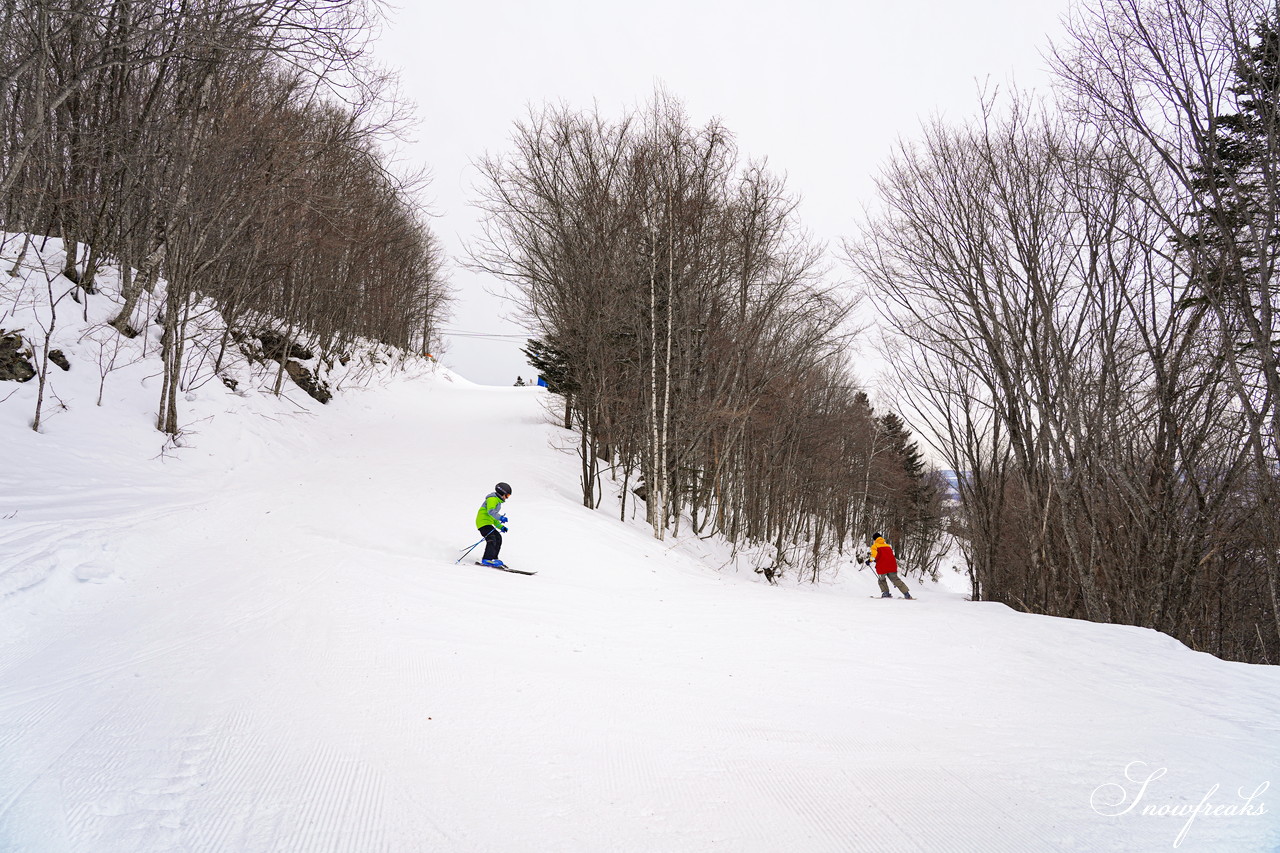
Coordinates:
(1234, 235)
(913, 513)
(908, 452)
(553, 366)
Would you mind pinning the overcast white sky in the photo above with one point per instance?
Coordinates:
(822, 89)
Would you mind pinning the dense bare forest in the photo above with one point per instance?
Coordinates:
(229, 147)
(701, 351)
(1079, 286)
(1084, 286)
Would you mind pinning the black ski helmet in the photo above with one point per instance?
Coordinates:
(503, 490)
(877, 536)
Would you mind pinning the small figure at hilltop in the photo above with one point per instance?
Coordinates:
(886, 566)
(492, 524)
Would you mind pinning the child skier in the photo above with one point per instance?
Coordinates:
(886, 567)
(489, 521)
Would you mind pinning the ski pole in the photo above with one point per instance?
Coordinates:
(466, 552)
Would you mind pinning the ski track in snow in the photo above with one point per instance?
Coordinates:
(276, 652)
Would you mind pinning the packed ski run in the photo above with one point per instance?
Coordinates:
(265, 640)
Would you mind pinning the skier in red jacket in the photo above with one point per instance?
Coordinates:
(886, 566)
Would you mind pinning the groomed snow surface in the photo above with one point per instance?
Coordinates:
(259, 641)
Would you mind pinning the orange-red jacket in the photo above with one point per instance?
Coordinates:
(882, 556)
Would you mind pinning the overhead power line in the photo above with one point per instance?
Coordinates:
(484, 336)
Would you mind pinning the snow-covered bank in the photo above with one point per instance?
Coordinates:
(260, 641)
(98, 462)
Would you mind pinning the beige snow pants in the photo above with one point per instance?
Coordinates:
(897, 581)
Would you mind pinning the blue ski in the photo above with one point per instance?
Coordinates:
(506, 569)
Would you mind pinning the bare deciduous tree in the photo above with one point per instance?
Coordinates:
(683, 315)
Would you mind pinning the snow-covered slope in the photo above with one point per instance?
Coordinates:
(260, 641)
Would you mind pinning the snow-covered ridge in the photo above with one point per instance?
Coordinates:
(98, 442)
(260, 638)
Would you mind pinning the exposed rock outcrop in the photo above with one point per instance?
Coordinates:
(15, 364)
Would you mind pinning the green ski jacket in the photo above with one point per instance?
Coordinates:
(489, 512)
